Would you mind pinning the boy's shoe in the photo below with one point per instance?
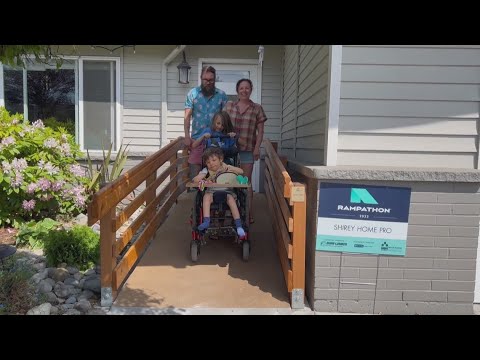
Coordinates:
(240, 232)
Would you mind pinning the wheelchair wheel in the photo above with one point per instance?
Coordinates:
(194, 250)
(245, 250)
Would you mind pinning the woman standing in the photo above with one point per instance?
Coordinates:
(248, 118)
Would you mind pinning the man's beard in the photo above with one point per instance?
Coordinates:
(208, 92)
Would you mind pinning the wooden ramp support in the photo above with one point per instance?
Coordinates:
(119, 256)
(287, 205)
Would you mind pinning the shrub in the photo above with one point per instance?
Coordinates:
(78, 247)
(17, 292)
(68, 125)
(33, 233)
(39, 176)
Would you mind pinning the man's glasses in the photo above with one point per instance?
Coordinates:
(211, 81)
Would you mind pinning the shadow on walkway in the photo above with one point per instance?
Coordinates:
(167, 278)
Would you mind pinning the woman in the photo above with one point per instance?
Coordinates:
(248, 118)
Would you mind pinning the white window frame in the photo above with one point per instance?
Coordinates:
(117, 122)
(79, 106)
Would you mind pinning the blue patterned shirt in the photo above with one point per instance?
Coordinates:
(203, 108)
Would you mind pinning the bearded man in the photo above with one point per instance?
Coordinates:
(201, 104)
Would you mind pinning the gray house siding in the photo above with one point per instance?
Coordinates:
(142, 97)
(305, 80)
(409, 106)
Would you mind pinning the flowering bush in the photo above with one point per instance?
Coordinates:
(39, 176)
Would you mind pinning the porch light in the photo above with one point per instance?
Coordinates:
(183, 71)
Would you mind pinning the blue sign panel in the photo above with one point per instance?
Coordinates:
(363, 219)
(379, 203)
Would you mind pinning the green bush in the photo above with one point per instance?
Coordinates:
(68, 125)
(39, 176)
(78, 247)
(33, 233)
(17, 292)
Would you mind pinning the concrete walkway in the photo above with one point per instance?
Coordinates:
(167, 282)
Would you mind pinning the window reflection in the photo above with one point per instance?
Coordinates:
(13, 88)
(51, 93)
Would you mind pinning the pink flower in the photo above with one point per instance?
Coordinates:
(31, 188)
(28, 205)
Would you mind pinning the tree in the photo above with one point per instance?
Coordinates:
(19, 55)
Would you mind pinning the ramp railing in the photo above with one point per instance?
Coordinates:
(119, 256)
(287, 205)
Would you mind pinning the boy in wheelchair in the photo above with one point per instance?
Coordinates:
(213, 159)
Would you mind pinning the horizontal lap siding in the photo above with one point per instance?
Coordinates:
(409, 106)
(289, 101)
(304, 105)
(142, 99)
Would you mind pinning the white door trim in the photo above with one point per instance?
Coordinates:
(333, 101)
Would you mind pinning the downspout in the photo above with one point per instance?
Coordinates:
(167, 61)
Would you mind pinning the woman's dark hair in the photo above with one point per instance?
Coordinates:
(212, 151)
(226, 122)
(242, 80)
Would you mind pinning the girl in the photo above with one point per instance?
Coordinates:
(221, 125)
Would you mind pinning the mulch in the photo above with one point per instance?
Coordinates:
(7, 236)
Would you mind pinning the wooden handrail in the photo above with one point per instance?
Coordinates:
(278, 167)
(110, 195)
(115, 265)
(287, 205)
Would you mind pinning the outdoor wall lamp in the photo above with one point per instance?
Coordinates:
(183, 71)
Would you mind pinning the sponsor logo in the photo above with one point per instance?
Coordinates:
(358, 196)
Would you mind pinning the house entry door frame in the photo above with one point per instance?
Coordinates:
(229, 71)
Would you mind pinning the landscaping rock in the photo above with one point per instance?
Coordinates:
(72, 312)
(92, 284)
(59, 274)
(44, 287)
(85, 295)
(40, 276)
(72, 270)
(83, 306)
(71, 300)
(43, 309)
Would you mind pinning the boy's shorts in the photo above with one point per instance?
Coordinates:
(246, 157)
(195, 156)
(213, 190)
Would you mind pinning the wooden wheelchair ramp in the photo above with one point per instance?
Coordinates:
(165, 276)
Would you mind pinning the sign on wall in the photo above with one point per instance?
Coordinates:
(363, 219)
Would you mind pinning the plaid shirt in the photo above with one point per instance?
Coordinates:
(246, 124)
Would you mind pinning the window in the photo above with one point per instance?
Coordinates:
(82, 96)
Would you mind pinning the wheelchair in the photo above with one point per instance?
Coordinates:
(222, 224)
